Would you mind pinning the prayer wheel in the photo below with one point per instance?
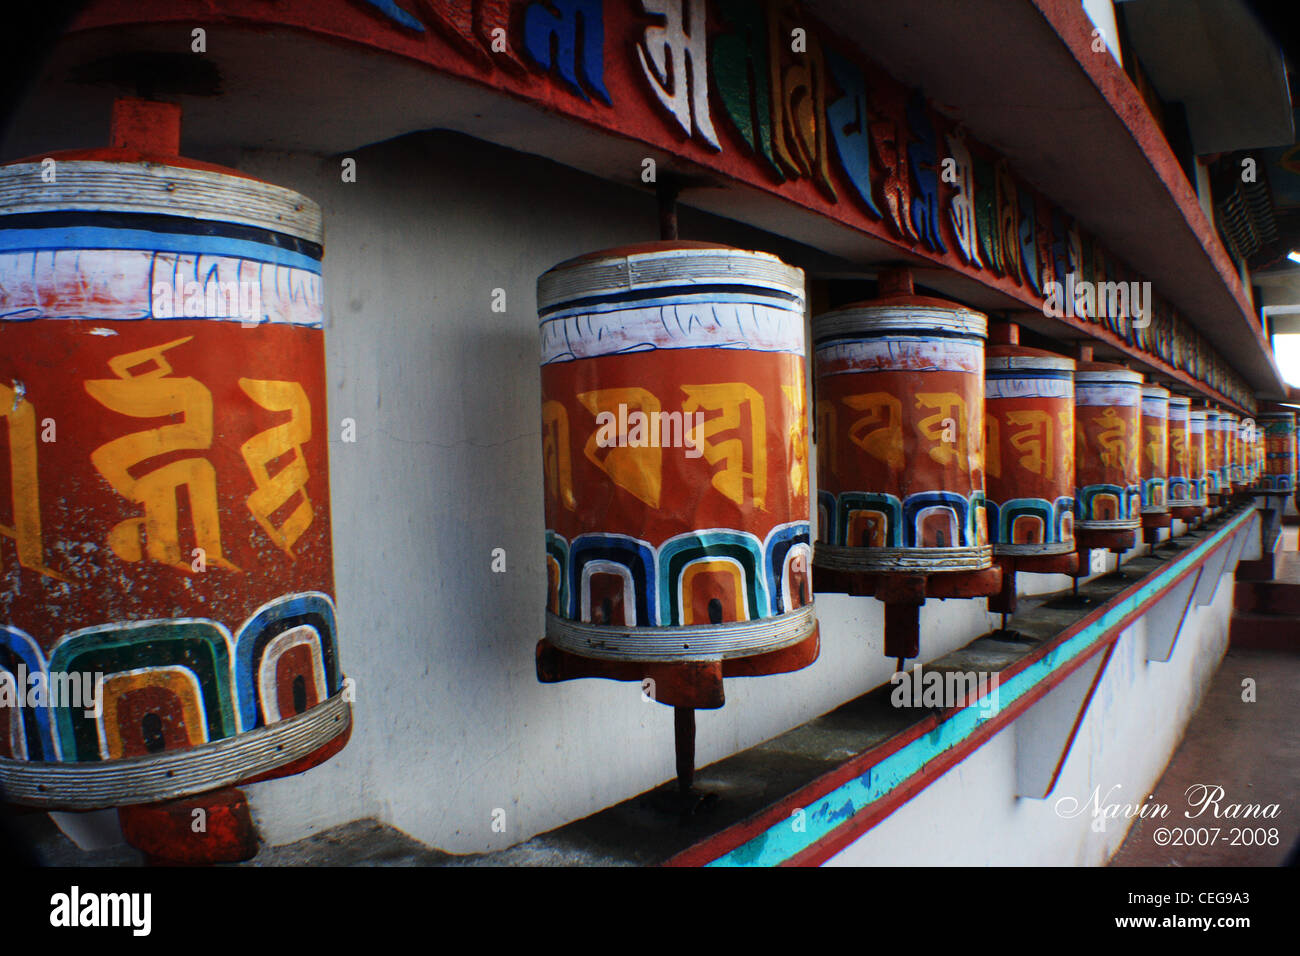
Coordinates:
(162, 387)
(900, 393)
(1029, 451)
(1216, 445)
(1108, 420)
(1259, 457)
(675, 454)
(1155, 458)
(900, 445)
(1236, 453)
(1186, 458)
(1246, 441)
(1279, 433)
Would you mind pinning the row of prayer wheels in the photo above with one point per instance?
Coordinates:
(677, 486)
(141, 287)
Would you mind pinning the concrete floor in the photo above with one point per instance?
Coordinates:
(1251, 750)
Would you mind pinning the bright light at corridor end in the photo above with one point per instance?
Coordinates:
(1293, 256)
(1286, 349)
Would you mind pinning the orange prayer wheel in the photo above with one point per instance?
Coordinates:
(1108, 429)
(1186, 458)
(1216, 453)
(900, 393)
(1279, 434)
(174, 542)
(1155, 457)
(900, 454)
(674, 441)
(1235, 452)
(1029, 417)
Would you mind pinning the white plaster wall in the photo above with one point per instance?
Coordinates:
(971, 815)
(450, 721)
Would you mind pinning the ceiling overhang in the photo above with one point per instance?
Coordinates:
(1067, 120)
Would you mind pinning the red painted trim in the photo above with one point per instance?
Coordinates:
(1071, 24)
(710, 849)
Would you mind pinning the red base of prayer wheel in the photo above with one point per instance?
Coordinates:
(214, 827)
(1117, 541)
(1004, 602)
(694, 684)
(903, 595)
(1151, 525)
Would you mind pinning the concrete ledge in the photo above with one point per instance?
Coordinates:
(806, 794)
(840, 806)
(843, 773)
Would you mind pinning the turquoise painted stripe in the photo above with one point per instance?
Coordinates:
(74, 238)
(781, 841)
